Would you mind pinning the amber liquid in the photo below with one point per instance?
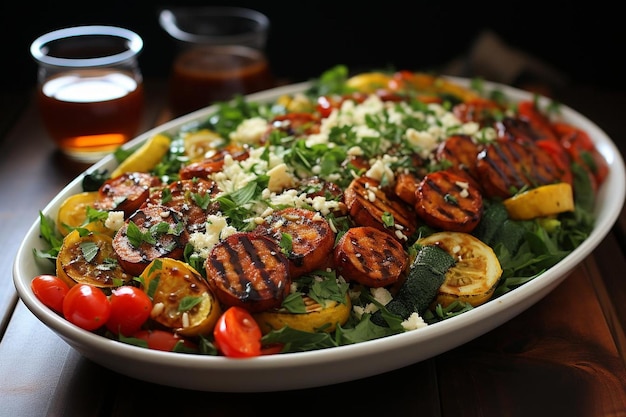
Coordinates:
(204, 75)
(89, 113)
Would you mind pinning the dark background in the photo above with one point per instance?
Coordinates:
(583, 44)
(586, 42)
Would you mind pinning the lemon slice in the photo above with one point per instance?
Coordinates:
(546, 200)
(146, 157)
(73, 211)
(476, 271)
(368, 82)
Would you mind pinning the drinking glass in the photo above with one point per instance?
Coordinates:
(90, 88)
(221, 53)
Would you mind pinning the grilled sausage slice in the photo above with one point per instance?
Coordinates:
(248, 270)
(191, 198)
(461, 152)
(406, 186)
(126, 192)
(370, 257)
(447, 201)
(151, 232)
(213, 163)
(311, 238)
(368, 205)
(506, 166)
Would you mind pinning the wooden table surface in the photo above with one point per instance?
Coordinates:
(564, 356)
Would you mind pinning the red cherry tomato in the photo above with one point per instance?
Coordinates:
(582, 150)
(50, 290)
(86, 306)
(237, 334)
(130, 308)
(162, 340)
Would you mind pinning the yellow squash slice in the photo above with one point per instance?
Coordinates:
(475, 274)
(316, 318)
(546, 200)
(181, 298)
(73, 213)
(89, 259)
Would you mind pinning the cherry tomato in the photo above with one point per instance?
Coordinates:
(162, 340)
(237, 334)
(582, 150)
(50, 290)
(130, 308)
(86, 306)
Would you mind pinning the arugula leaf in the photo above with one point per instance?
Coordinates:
(50, 234)
(298, 340)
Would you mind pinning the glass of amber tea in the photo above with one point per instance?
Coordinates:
(90, 88)
(220, 54)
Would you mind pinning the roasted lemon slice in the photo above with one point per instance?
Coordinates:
(546, 200)
(476, 270)
(181, 299)
(146, 157)
(317, 317)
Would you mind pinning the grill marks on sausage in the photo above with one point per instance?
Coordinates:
(370, 257)
(127, 192)
(248, 270)
(312, 238)
(448, 201)
(192, 198)
(506, 166)
(367, 203)
(214, 163)
(461, 152)
(135, 257)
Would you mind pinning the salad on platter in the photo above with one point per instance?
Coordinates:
(360, 207)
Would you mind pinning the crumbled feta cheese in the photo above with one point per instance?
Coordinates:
(424, 142)
(115, 220)
(355, 151)
(414, 322)
(250, 131)
(379, 170)
(318, 139)
(216, 229)
(382, 295)
(280, 178)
